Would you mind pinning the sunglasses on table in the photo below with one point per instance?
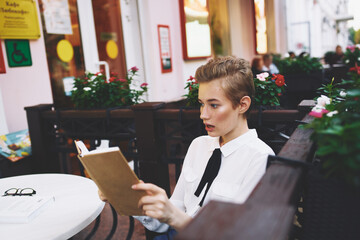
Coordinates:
(19, 192)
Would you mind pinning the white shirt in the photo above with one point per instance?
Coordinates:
(243, 163)
(272, 69)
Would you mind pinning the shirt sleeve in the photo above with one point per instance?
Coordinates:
(152, 224)
(177, 199)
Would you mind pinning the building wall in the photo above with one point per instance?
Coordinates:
(324, 31)
(25, 86)
(141, 26)
(242, 32)
(276, 26)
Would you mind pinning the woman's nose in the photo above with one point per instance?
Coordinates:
(204, 113)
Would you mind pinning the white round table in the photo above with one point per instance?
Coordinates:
(76, 205)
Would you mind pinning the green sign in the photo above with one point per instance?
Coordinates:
(18, 53)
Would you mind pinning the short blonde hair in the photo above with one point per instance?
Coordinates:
(235, 74)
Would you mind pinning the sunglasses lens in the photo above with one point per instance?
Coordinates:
(11, 191)
(27, 191)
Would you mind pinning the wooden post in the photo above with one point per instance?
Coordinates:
(151, 168)
(45, 160)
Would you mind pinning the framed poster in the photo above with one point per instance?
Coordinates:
(165, 48)
(57, 17)
(195, 29)
(2, 63)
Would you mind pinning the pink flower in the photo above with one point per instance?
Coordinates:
(144, 85)
(262, 76)
(351, 48)
(134, 69)
(318, 112)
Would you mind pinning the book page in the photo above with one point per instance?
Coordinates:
(22, 209)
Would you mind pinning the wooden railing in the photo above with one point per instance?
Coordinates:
(269, 212)
(158, 135)
(154, 135)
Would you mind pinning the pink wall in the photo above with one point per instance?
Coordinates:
(164, 86)
(25, 86)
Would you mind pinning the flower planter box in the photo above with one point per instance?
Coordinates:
(300, 87)
(331, 209)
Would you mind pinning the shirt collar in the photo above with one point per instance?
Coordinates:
(234, 144)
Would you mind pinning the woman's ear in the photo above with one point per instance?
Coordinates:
(244, 105)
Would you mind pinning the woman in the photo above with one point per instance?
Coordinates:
(238, 156)
(257, 65)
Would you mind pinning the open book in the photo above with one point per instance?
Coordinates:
(22, 209)
(112, 174)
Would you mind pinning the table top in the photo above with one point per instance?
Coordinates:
(76, 205)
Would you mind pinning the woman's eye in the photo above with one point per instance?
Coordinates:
(201, 104)
(214, 105)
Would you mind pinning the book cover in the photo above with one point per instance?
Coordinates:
(111, 172)
(15, 146)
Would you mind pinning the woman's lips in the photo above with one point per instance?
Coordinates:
(209, 127)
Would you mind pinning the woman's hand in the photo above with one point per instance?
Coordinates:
(157, 205)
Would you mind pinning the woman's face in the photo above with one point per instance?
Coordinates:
(217, 112)
(260, 65)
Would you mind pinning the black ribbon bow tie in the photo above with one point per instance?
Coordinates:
(211, 171)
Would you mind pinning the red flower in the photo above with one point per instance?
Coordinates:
(112, 79)
(190, 87)
(144, 85)
(86, 78)
(191, 78)
(97, 73)
(355, 69)
(279, 80)
(134, 69)
(279, 94)
(122, 80)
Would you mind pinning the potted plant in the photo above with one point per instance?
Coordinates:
(95, 99)
(332, 194)
(193, 93)
(94, 91)
(352, 56)
(268, 89)
(303, 75)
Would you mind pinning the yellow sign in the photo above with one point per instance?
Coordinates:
(65, 50)
(18, 19)
(112, 49)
